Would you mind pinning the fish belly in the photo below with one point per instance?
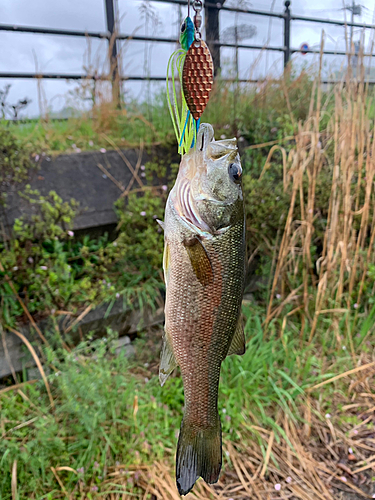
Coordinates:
(201, 320)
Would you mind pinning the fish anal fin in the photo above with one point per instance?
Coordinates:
(167, 362)
(237, 345)
(200, 260)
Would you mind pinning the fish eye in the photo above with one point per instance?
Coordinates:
(235, 172)
(183, 27)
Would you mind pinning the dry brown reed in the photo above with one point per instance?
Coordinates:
(343, 150)
(313, 460)
(14, 481)
(37, 362)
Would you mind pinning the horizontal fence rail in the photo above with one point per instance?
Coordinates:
(53, 31)
(139, 78)
(329, 21)
(53, 76)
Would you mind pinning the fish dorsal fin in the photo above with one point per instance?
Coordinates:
(237, 345)
(161, 223)
(200, 260)
(167, 362)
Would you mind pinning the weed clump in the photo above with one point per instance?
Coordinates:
(54, 270)
(15, 160)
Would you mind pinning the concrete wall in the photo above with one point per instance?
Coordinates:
(121, 319)
(78, 176)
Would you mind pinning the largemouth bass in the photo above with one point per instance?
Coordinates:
(204, 270)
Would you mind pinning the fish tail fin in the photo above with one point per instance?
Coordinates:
(198, 454)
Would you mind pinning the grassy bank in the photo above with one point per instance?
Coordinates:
(256, 113)
(110, 419)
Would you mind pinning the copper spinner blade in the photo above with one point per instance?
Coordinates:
(197, 78)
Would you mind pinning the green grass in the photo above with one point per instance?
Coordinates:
(255, 115)
(110, 410)
(102, 127)
(81, 134)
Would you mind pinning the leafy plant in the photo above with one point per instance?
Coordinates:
(15, 160)
(11, 109)
(52, 269)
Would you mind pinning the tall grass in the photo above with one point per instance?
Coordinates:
(249, 112)
(324, 263)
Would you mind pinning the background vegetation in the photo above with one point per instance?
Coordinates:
(297, 407)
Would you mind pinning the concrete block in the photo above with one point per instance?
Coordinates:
(123, 320)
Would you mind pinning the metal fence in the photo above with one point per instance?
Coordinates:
(212, 11)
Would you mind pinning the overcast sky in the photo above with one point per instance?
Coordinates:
(24, 52)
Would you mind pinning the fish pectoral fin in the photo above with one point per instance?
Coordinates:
(161, 223)
(167, 362)
(237, 345)
(200, 260)
(166, 261)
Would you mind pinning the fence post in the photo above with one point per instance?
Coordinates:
(213, 32)
(111, 25)
(286, 33)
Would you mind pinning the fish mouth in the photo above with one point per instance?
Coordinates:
(212, 149)
(186, 202)
(222, 150)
